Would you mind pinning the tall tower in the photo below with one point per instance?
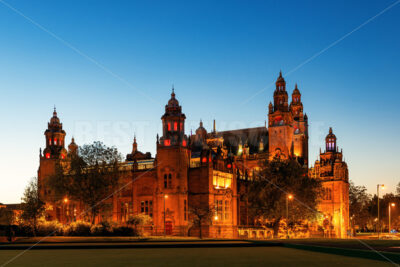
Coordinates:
(172, 171)
(280, 132)
(334, 175)
(300, 128)
(52, 154)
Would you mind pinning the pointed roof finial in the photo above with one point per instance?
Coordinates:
(55, 111)
(214, 127)
(134, 138)
(173, 90)
(330, 130)
(295, 86)
(280, 73)
(201, 123)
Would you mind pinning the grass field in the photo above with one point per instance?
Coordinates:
(260, 256)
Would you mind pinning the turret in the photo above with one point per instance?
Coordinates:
(280, 94)
(54, 139)
(330, 141)
(173, 122)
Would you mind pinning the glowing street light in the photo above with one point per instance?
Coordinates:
(390, 205)
(289, 197)
(165, 232)
(65, 200)
(377, 191)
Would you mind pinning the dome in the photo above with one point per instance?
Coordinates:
(201, 131)
(72, 147)
(54, 119)
(173, 102)
(331, 134)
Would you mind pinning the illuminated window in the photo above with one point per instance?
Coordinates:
(181, 128)
(167, 142)
(146, 207)
(222, 179)
(175, 126)
(204, 160)
(184, 143)
(227, 210)
(219, 209)
(55, 141)
(47, 155)
(62, 156)
(169, 126)
(229, 166)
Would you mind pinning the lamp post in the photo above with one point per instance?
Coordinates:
(377, 192)
(289, 197)
(390, 205)
(65, 208)
(165, 197)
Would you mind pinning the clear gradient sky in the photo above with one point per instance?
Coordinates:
(108, 66)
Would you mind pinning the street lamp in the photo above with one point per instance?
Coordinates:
(65, 208)
(289, 197)
(377, 190)
(390, 205)
(165, 197)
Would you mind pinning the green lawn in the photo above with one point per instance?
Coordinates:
(244, 256)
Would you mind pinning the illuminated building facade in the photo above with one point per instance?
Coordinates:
(206, 170)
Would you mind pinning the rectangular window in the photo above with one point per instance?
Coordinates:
(181, 128)
(185, 209)
(169, 126)
(169, 181)
(175, 126)
(146, 207)
(227, 209)
(167, 142)
(165, 181)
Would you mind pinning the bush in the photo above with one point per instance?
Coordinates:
(124, 231)
(78, 228)
(102, 229)
(46, 228)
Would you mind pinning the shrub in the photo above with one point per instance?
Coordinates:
(124, 231)
(46, 228)
(101, 229)
(78, 228)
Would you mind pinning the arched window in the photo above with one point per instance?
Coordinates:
(165, 181)
(169, 181)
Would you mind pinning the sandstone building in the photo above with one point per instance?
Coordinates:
(206, 169)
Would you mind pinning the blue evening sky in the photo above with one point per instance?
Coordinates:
(108, 66)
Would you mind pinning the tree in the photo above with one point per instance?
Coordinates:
(360, 202)
(269, 191)
(139, 220)
(200, 215)
(398, 189)
(32, 207)
(90, 176)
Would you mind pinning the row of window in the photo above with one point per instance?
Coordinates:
(175, 124)
(222, 210)
(326, 193)
(146, 207)
(55, 141)
(168, 180)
